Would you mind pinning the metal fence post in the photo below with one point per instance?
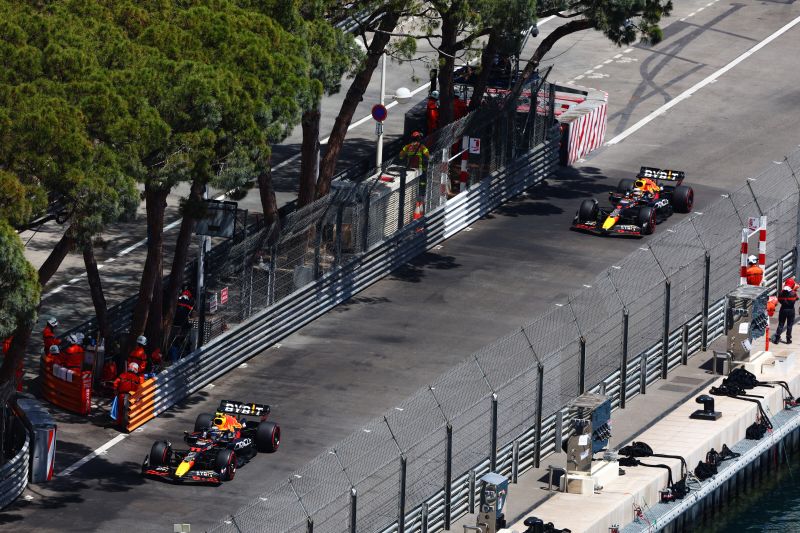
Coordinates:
(623, 371)
(685, 345)
(353, 506)
(401, 205)
(471, 490)
(365, 230)
(515, 461)
(643, 373)
(401, 511)
(706, 291)
(582, 383)
(493, 450)
(317, 249)
(779, 279)
(448, 476)
(537, 451)
(424, 524)
(665, 338)
(310, 526)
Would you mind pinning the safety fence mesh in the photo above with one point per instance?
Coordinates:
(400, 461)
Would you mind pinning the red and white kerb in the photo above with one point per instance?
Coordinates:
(748, 232)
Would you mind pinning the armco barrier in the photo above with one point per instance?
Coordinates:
(14, 474)
(304, 305)
(42, 429)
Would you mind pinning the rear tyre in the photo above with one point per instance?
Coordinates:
(225, 464)
(625, 185)
(203, 421)
(647, 220)
(160, 454)
(587, 211)
(268, 437)
(683, 199)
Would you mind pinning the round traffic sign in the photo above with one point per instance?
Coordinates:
(379, 112)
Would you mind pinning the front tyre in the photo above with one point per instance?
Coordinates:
(225, 464)
(683, 199)
(160, 454)
(268, 437)
(203, 422)
(647, 220)
(625, 185)
(587, 211)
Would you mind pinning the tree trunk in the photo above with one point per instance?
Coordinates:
(447, 63)
(96, 290)
(354, 96)
(155, 320)
(544, 47)
(309, 157)
(53, 261)
(176, 274)
(487, 58)
(269, 204)
(155, 201)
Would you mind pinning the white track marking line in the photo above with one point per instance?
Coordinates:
(710, 79)
(99, 451)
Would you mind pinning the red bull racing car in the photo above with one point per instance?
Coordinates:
(219, 444)
(637, 206)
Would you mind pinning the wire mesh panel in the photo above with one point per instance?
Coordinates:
(279, 510)
(598, 312)
(552, 331)
(321, 485)
(421, 431)
(561, 378)
(465, 398)
(719, 228)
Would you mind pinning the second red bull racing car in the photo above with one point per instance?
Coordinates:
(219, 444)
(637, 206)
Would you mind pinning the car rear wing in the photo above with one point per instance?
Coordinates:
(240, 408)
(674, 177)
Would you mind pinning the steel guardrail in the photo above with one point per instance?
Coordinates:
(14, 474)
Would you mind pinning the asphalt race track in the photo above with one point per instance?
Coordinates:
(368, 354)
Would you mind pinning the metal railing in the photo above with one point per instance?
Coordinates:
(413, 469)
(14, 473)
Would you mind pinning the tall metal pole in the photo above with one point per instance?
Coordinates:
(537, 450)
(582, 383)
(379, 126)
(623, 371)
(448, 476)
(706, 283)
(401, 507)
(665, 335)
(493, 438)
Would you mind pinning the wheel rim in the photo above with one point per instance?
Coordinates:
(276, 437)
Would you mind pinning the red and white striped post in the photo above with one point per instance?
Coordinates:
(743, 261)
(762, 243)
(463, 177)
(753, 225)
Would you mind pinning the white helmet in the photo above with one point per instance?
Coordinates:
(435, 94)
(72, 338)
(752, 260)
(54, 349)
(133, 367)
(52, 322)
(141, 339)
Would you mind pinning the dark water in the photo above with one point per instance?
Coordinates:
(774, 506)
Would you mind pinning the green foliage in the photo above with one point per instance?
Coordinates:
(19, 283)
(622, 21)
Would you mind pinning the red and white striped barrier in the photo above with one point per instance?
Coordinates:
(754, 224)
(583, 122)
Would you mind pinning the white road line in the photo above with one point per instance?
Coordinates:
(710, 79)
(617, 56)
(99, 451)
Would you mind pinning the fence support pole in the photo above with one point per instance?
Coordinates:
(310, 526)
(623, 371)
(582, 383)
(365, 230)
(337, 260)
(537, 450)
(272, 275)
(685, 345)
(559, 430)
(471, 490)
(353, 505)
(424, 525)
(493, 449)
(317, 250)
(779, 278)
(706, 292)
(643, 373)
(448, 476)
(401, 511)
(515, 461)
(401, 205)
(665, 338)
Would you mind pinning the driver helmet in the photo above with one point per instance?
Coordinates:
(752, 260)
(219, 421)
(639, 183)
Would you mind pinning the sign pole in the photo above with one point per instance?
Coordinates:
(379, 157)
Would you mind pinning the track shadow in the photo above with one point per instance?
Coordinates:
(359, 301)
(414, 271)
